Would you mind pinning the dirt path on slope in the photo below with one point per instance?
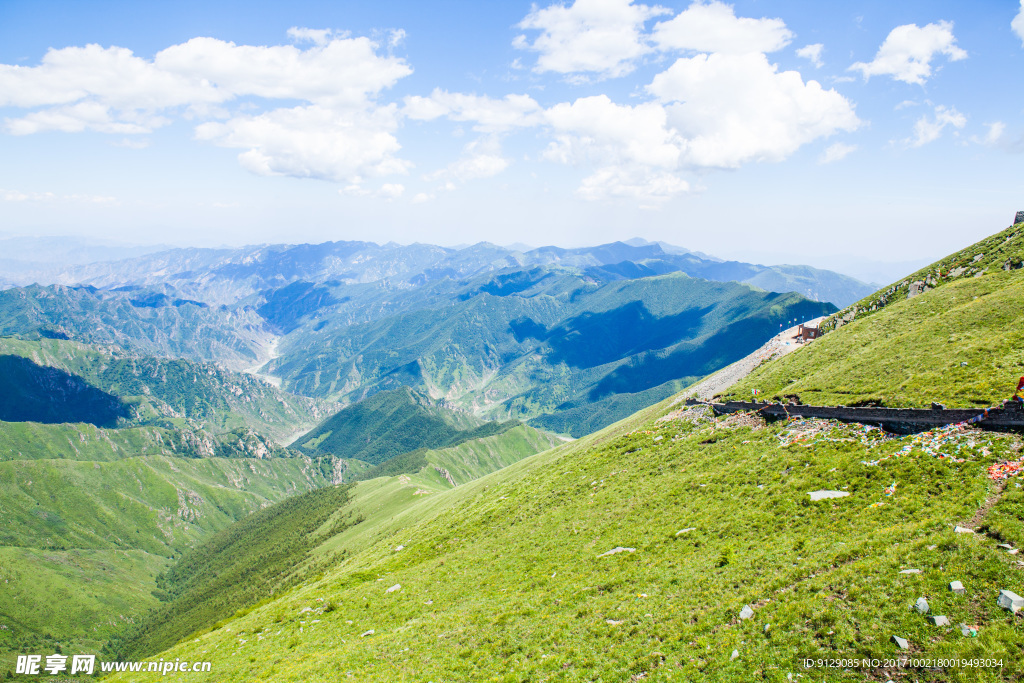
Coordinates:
(779, 345)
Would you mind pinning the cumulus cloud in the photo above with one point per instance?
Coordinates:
(714, 27)
(908, 50)
(734, 109)
(1018, 23)
(340, 133)
(313, 142)
(600, 37)
(930, 129)
(836, 152)
(489, 115)
(342, 71)
(480, 159)
(634, 151)
(812, 53)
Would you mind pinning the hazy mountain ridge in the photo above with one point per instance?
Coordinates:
(223, 276)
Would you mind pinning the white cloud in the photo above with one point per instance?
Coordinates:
(391, 190)
(734, 109)
(714, 27)
(1018, 23)
(341, 134)
(928, 130)
(422, 197)
(836, 152)
(343, 71)
(993, 137)
(601, 37)
(489, 114)
(908, 50)
(644, 185)
(84, 116)
(313, 142)
(312, 35)
(595, 129)
(635, 153)
(480, 159)
(812, 53)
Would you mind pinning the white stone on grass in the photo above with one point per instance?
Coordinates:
(367, 633)
(957, 587)
(901, 643)
(746, 612)
(962, 530)
(921, 606)
(911, 571)
(824, 495)
(939, 620)
(396, 587)
(735, 655)
(615, 551)
(686, 530)
(1011, 601)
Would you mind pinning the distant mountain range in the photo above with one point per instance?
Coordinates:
(568, 339)
(223, 276)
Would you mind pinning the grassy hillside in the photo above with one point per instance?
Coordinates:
(302, 536)
(391, 423)
(961, 344)
(81, 541)
(511, 577)
(1002, 251)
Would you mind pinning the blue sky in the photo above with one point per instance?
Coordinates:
(768, 131)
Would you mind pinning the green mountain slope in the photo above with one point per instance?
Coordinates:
(82, 540)
(170, 392)
(960, 343)
(543, 342)
(300, 537)
(391, 423)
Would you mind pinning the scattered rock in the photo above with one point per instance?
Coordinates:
(735, 655)
(612, 622)
(911, 571)
(746, 612)
(429, 602)
(957, 587)
(305, 609)
(401, 547)
(822, 495)
(396, 587)
(921, 606)
(617, 550)
(932, 547)
(968, 632)
(901, 643)
(962, 530)
(939, 620)
(766, 627)
(1010, 600)
(658, 438)
(1004, 545)
(1014, 551)
(686, 530)
(367, 633)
